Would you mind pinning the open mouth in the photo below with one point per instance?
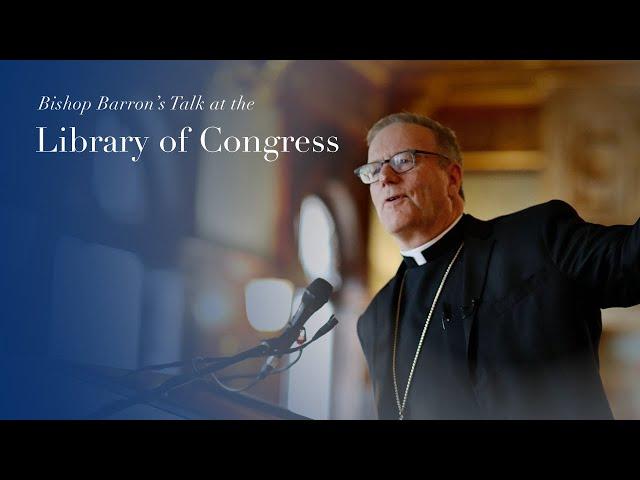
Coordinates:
(394, 198)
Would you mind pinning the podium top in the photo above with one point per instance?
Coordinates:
(197, 400)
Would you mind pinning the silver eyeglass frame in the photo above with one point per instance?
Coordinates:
(380, 163)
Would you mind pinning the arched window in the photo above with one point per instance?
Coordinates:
(309, 382)
(318, 241)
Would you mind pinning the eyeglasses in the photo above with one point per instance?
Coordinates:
(401, 162)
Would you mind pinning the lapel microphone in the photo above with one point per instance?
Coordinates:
(468, 310)
(446, 315)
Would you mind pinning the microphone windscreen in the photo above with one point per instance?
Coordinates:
(320, 291)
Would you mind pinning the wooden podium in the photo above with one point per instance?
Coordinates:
(199, 400)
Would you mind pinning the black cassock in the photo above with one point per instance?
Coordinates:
(524, 323)
(440, 387)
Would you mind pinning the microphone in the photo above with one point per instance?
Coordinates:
(326, 328)
(314, 297)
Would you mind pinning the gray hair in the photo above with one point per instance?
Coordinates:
(445, 137)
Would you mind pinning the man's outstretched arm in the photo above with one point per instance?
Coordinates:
(605, 260)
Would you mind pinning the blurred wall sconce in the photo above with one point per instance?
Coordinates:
(268, 303)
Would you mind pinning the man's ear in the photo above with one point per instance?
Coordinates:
(454, 173)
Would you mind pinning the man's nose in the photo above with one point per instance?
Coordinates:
(388, 174)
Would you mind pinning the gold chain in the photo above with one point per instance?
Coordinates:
(402, 406)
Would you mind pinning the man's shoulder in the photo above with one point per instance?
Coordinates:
(541, 211)
(532, 218)
(368, 315)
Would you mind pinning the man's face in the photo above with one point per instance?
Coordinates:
(416, 201)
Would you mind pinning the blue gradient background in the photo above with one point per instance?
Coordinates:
(49, 200)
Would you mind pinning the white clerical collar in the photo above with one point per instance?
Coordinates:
(417, 253)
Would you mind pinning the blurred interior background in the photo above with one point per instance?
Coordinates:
(179, 241)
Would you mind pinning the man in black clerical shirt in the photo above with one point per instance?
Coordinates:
(497, 319)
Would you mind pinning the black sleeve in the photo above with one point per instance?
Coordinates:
(366, 336)
(364, 341)
(604, 260)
